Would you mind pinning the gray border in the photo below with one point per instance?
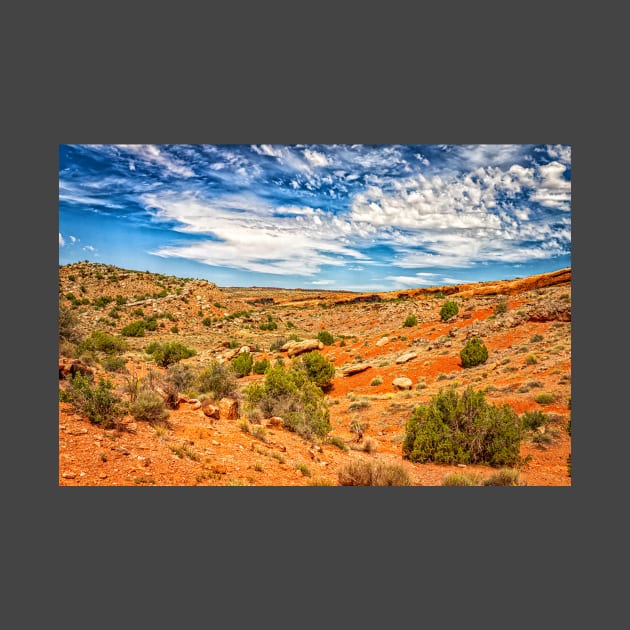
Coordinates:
(369, 77)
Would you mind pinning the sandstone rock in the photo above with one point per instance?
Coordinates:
(403, 358)
(559, 311)
(354, 368)
(228, 408)
(210, 409)
(402, 382)
(294, 348)
(382, 341)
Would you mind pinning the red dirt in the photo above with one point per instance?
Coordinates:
(196, 450)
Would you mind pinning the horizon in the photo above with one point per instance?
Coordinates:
(321, 217)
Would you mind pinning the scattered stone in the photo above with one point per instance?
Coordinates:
(402, 382)
(354, 368)
(403, 358)
(69, 475)
(382, 341)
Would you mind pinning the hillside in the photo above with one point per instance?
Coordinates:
(525, 324)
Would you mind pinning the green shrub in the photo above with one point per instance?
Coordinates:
(242, 364)
(531, 420)
(536, 338)
(411, 320)
(504, 477)
(260, 367)
(377, 380)
(114, 364)
(291, 395)
(462, 479)
(500, 307)
(269, 324)
(103, 342)
(325, 337)
(101, 302)
(149, 406)
(150, 323)
(206, 321)
(473, 353)
(454, 429)
(338, 442)
(179, 378)
(68, 326)
(169, 352)
(370, 473)
(318, 368)
(97, 403)
(134, 329)
(218, 379)
(531, 359)
(448, 310)
(545, 399)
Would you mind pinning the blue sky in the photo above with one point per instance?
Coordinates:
(357, 217)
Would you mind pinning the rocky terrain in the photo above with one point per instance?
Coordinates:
(383, 370)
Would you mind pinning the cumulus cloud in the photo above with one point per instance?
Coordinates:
(88, 248)
(316, 158)
(554, 190)
(560, 152)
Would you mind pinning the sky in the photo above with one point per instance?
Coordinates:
(325, 216)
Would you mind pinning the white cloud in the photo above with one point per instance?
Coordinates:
(316, 158)
(61, 240)
(561, 152)
(150, 153)
(73, 238)
(132, 166)
(267, 149)
(480, 155)
(88, 248)
(425, 279)
(554, 190)
(246, 233)
(322, 282)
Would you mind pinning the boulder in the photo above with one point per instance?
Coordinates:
(354, 368)
(402, 382)
(228, 408)
(294, 348)
(403, 358)
(210, 409)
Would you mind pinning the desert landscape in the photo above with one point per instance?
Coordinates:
(391, 353)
